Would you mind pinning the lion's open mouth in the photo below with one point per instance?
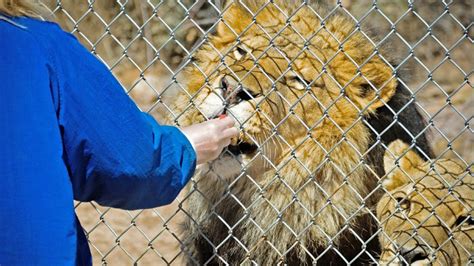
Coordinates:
(242, 148)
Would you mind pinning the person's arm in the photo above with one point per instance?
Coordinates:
(115, 154)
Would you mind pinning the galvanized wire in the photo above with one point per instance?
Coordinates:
(148, 44)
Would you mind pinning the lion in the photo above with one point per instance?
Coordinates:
(314, 100)
(427, 214)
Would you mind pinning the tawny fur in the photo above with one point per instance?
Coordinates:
(436, 200)
(312, 142)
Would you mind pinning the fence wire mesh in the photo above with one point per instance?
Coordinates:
(321, 91)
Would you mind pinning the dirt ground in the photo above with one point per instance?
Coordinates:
(118, 237)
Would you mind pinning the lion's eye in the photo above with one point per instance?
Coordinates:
(302, 81)
(464, 221)
(239, 52)
(404, 203)
(299, 83)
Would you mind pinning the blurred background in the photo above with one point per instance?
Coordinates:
(145, 43)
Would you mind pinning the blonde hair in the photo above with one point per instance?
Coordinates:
(23, 8)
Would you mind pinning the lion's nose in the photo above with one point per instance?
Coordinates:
(230, 89)
(412, 255)
(224, 84)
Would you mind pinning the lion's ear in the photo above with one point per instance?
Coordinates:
(379, 84)
(399, 163)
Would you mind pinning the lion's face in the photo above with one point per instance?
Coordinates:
(284, 81)
(427, 215)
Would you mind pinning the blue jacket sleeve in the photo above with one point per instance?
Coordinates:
(115, 154)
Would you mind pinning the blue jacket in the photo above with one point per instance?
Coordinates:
(68, 131)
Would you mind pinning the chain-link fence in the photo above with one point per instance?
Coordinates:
(356, 128)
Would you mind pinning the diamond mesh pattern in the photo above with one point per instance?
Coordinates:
(148, 44)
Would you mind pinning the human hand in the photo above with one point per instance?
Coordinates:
(211, 137)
